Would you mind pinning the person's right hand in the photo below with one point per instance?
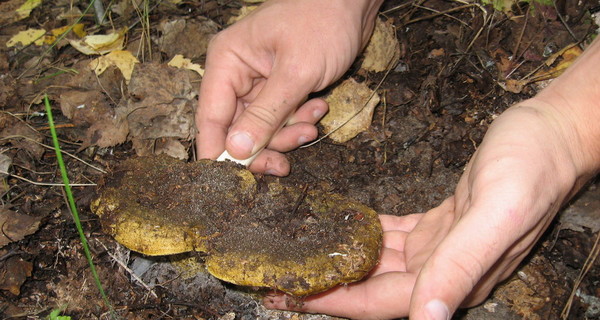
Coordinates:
(260, 71)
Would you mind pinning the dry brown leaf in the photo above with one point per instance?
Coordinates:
(161, 109)
(15, 226)
(19, 133)
(7, 11)
(383, 50)
(188, 37)
(13, 272)
(567, 56)
(90, 102)
(351, 106)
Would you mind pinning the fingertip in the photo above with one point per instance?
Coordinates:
(293, 136)
(271, 162)
(275, 301)
(210, 141)
(311, 112)
(436, 310)
(404, 223)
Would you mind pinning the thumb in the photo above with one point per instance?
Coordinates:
(281, 94)
(457, 265)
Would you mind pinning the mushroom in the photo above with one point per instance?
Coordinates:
(292, 239)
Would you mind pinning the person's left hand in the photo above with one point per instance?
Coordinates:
(454, 254)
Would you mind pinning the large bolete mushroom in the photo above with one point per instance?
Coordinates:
(292, 239)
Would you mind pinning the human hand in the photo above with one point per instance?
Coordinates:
(260, 71)
(456, 253)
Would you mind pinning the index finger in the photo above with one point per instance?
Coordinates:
(217, 105)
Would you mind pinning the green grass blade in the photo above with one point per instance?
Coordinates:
(72, 206)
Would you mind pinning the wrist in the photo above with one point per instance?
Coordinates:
(575, 141)
(574, 101)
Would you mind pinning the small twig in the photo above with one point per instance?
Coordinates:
(48, 184)
(440, 13)
(562, 19)
(396, 8)
(124, 266)
(300, 200)
(52, 148)
(384, 102)
(589, 262)
(516, 49)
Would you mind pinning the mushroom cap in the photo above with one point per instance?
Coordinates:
(287, 238)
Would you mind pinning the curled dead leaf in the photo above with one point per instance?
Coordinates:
(100, 43)
(351, 106)
(383, 50)
(15, 226)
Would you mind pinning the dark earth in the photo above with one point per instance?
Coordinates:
(460, 66)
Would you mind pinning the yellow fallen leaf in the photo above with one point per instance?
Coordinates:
(25, 10)
(100, 43)
(383, 50)
(56, 32)
(122, 59)
(26, 37)
(351, 106)
(179, 61)
(568, 55)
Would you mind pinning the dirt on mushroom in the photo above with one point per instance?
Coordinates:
(292, 239)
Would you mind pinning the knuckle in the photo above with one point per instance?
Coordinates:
(262, 117)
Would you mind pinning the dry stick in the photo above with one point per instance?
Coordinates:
(486, 20)
(516, 49)
(589, 262)
(15, 115)
(564, 22)
(49, 184)
(440, 13)
(384, 102)
(52, 148)
(396, 8)
(124, 266)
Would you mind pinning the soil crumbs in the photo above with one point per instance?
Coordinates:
(456, 73)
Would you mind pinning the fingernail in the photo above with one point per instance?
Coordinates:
(318, 113)
(242, 142)
(436, 310)
(302, 140)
